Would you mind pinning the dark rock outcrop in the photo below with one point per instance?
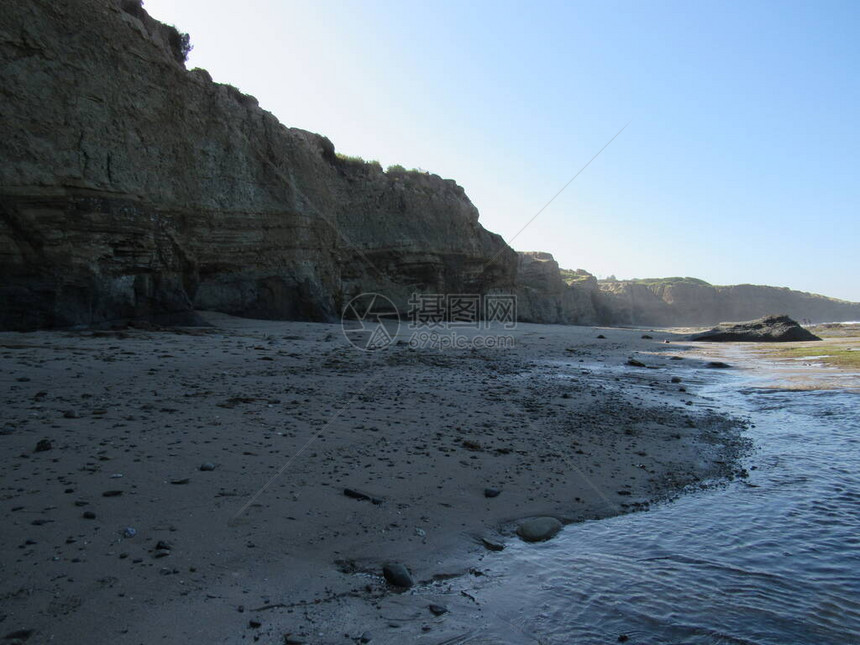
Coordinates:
(770, 329)
(131, 187)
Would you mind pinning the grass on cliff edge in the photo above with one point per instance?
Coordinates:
(652, 282)
(572, 277)
(395, 168)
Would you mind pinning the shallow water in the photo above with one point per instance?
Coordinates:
(773, 559)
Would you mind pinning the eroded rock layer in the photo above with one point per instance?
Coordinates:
(131, 187)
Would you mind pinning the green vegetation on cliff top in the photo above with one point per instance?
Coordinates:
(657, 282)
(571, 276)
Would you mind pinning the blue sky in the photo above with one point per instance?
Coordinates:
(740, 163)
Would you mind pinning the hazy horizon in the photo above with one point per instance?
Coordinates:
(740, 163)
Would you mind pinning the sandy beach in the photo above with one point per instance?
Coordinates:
(249, 481)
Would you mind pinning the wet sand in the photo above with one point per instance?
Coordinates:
(114, 534)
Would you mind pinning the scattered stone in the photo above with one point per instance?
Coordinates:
(89, 515)
(19, 634)
(43, 446)
(647, 337)
(398, 575)
(623, 638)
(538, 529)
(492, 546)
(71, 414)
(112, 493)
(601, 336)
(360, 495)
(438, 610)
(207, 466)
(23, 379)
(129, 532)
(254, 624)
(718, 365)
(634, 363)
(492, 492)
(468, 444)
(366, 637)
(676, 379)
(180, 482)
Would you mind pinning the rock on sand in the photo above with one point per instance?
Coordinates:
(538, 529)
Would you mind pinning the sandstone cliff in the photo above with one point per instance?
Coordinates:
(131, 187)
(687, 301)
(547, 294)
(543, 296)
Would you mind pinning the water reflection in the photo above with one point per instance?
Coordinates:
(773, 559)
